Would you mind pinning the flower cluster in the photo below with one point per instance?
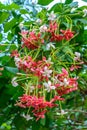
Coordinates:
(49, 81)
(34, 39)
(31, 40)
(43, 84)
(38, 104)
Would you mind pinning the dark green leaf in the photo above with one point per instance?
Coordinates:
(68, 1)
(1, 36)
(44, 2)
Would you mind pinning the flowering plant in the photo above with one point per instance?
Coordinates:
(43, 65)
(45, 61)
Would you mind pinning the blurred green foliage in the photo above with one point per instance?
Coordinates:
(76, 103)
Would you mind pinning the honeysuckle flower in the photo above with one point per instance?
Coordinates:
(17, 60)
(43, 28)
(27, 117)
(62, 112)
(51, 16)
(65, 82)
(48, 85)
(49, 61)
(77, 56)
(32, 88)
(50, 45)
(85, 12)
(14, 83)
(47, 72)
(55, 79)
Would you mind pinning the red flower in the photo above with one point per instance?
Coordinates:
(31, 40)
(15, 53)
(67, 34)
(40, 114)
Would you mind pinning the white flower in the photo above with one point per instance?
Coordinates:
(61, 83)
(51, 16)
(62, 112)
(49, 61)
(17, 60)
(55, 79)
(14, 83)
(85, 12)
(32, 88)
(27, 117)
(77, 56)
(66, 82)
(43, 28)
(48, 85)
(47, 72)
(49, 45)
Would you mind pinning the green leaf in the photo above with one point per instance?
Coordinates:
(23, 11)
(10, 25)
(44, 2)
(43, 121)
(57, 8)
(73, 5)
(68, 1)
(12, 7)
(19, 123)
(11, 69)
(1, 37)
(10, 36)
(1, 6)
(3, 16)
(2, 54)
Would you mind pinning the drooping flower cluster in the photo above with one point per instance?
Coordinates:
(38, 104)
(34, 39)
(43, 84)
(48, 82)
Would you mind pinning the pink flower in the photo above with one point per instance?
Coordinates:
(74, 67)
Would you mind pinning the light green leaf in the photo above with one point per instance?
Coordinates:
(11, 69)
(9, 25)
(3, 16)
